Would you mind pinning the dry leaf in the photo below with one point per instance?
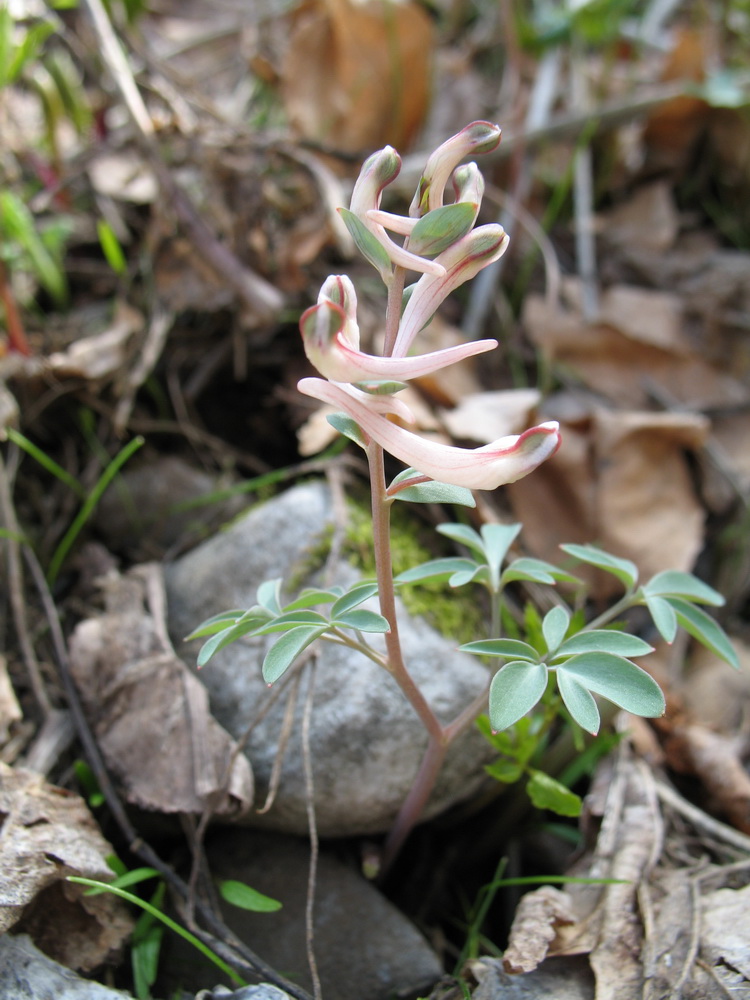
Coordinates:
(356, 75)
(536, 918)
(125, 176)
(150, 714)
(638, 350)
(102, 354)
(46, 835)
(487, 416)
(648, 220)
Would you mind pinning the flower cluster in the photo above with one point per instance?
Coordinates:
(442, 244)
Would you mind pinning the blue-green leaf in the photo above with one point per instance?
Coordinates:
(286, 650)
(514, 691)
(347, 426)
(363, 621)
(247, 898)
(536, 570)
(625, 570)
(435, 569)
(226, 638)
(616, 679)
(465, 535)
(580, 702)
(269, 595)
(546, 793)
(672, 583)
(497, 539)
(352, 598)
(309, 597)
(664, 617)
(554, 626)
(216, 623)
(507, 648)
(705, 629)
(291, 619)
(603, 640)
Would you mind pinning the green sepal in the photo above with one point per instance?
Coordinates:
(380, 387)
(347, 426)
(367, 244)
(439, 229)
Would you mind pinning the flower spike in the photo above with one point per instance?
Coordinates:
(503, 461)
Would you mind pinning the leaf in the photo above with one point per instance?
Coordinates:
(602, 640)
(705, 629)
(18, 222)
(546, 793)
(618, 680)
(381, 387)
(310, 597)
(435, 569)
(356, 595)
(536, 570)
(135, 876)
(514, 691)
(508, 648)
(111, 247)
(465, 535)
(479, 574)
(269, 595)
(347, 426)
(144, 958)
(664, 617)
(554, 626)
(286, 649)
(580, 702)
(497, 539)
(672, 583)
(507, 771)
(367, 244)
(431, 492)
(439, 229)
(226, 638)
(625, 570)
(216, 623)
(289, 620)
(242, 895)
(363, 621)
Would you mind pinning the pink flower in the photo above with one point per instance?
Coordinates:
(479, 137)
(331, 338)
(461, 261)
(502, 461)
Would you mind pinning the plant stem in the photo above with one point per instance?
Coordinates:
(393, 309)
(381, 511)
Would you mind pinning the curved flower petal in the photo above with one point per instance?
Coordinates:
(342, 395)
(377, 172)
(503, 461)
(478, 137)
(462, 261)
(331, 351)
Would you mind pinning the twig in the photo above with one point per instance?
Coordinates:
(287, 728)
(15, 589)
(218, 937)
(701, 820)
(313, 831)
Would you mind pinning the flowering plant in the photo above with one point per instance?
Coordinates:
(442, 243)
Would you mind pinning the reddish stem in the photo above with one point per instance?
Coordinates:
(16, 336)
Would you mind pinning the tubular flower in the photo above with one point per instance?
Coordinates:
(479, 137)
(331, 339)
(370, 236)
(503, 461)
(461, 261)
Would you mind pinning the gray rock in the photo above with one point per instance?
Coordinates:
(366, 741)
(264, 991)
(555, 979)
(27, 974)
(364, 948)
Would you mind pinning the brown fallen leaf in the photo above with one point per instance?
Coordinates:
(356, 75)
(622, 481)
(47, 834)
(150, 714)
(536, 919)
